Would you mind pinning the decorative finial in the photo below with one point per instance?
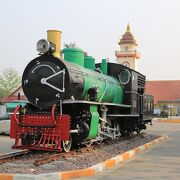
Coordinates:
(128, 28)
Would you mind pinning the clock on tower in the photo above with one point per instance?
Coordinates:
(125, 63)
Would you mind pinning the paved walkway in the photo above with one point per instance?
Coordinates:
(5, 144)
(160, 162)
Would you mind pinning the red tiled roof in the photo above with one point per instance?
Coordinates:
(164, 90)
(15, 91)
(13, 99)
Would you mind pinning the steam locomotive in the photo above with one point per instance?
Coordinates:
(73, 101)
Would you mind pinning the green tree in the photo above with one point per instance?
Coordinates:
(2, 93)
(10, 80)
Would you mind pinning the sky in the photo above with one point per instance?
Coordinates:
(95, 26)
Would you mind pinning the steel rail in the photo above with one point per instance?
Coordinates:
(9, 156)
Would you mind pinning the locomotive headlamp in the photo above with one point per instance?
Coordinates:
(43, 46)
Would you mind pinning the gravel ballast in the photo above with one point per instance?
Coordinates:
(100, 153)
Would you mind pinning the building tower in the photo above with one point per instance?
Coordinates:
(128, 55)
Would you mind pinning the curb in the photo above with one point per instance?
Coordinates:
(169, 120)
(103, 166)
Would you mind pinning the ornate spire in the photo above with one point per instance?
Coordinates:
(128, 28)
(127, 37)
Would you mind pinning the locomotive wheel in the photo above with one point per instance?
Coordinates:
(66, 145)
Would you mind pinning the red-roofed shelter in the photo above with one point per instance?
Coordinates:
(166, 95)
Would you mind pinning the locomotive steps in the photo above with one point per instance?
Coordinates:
(89, 171)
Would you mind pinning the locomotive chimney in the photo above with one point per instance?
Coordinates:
(54, 36)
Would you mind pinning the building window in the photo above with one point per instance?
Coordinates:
(126, 48)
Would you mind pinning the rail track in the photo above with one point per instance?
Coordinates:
(10, 156)
(48, 158)
(52, 156)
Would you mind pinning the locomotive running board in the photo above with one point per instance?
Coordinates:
(95, 103)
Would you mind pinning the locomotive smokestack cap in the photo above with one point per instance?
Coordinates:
(54, 36)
